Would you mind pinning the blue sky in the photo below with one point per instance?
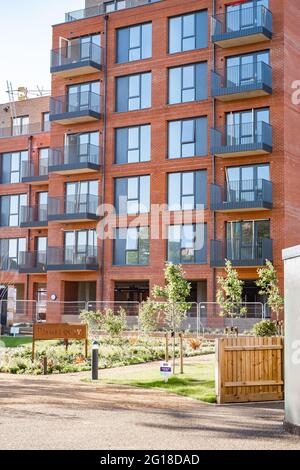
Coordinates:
(25, 40)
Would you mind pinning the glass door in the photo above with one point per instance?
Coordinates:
(42, 206)
(41, 251)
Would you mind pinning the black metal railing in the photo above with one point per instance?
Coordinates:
(73, 205)
(33, 260)
(34, 214)
(75, 155)
(241, 136)
(240, 253)
(75, 53)
(241, 194)
(242, 21)
(85, 101)
(101, 9)
(72, 256)
(241, 77)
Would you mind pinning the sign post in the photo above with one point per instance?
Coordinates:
(165, 370)
(65, 331)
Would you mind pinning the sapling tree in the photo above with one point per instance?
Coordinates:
(267, 282)
(171, 300)
(230, 293)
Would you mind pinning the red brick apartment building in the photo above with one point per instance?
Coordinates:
(158, 102)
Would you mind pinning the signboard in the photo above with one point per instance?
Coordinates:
(15, 330)
(65, 331)
(165, 370)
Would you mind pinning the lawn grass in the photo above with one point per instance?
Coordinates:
(197, 381)
(11, 342)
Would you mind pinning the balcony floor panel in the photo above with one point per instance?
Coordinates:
(35, 180)
(71, 218)
(225, 96)
(242, 153)
(234, 39)
(36, 225)
(71, 268)
(75, 118)
(86, 67)
(74, 169)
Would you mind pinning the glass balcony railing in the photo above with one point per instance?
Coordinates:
(17, 131)
(76, 54)
(33, 262)
(102, 9)
(35, 172)
(240, 253)
(241, 195)
(249, 138)
(75, 106)
(83, 206)
(75, 157)
(34, 216)
(82, 258)
(242, 81)
(242, 26)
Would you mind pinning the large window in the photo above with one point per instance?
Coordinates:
(133, 92)
(132, 195)
(82, 148)
(187, 244)
(83, 97)
(85, 47)
(244, 15)
(244, 240)
(131, 246)
(10, 207)
(43, 161)
(245, 183)
(188, 32)
(187, 190)
(20, 125)
(11, 167)
(188, 83)
(41, 248)
(114, 5)
(134, 43)
(246, 127)
(81, 197)
(133, 144)
(46, 122)
(42, 198)
(10, 250)
(80, 245)
(246, 69)
(188, 138)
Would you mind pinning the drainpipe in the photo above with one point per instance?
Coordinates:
(30, 152)
(213, 158)
(104, 148)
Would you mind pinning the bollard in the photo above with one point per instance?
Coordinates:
(95, 351)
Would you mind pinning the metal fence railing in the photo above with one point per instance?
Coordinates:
(203, 317)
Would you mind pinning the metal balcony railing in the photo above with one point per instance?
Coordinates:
(16, 131)
(240, 253)
(242, 22)
(101, 9)
(72, 256)
(33, 215)
(242, 194)
(85, 101)
(75, 155)
(31, 170)
(71, 205)
(241, 78)
(241, 137)
(75, 54)
(33, 261)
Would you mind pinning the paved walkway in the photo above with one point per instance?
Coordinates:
(61, 412)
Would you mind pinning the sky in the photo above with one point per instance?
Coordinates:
(25, 40)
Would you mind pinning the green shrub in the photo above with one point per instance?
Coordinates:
(265, 328)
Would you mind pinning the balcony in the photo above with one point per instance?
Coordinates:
(241, 254)
(76, 258)
(75, 159)
(25, 130)
(75, 108)
(101, 9)
(32, 262)
(76, 60)
(241, 195)
(34, 216)
(8, 264)
(242, 140)
(75, 208)
(242, 81)
(243, 26)
(35, 174)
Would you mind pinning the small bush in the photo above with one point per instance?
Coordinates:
(265, 328)
(195, 343)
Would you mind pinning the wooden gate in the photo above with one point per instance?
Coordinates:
(249, 369)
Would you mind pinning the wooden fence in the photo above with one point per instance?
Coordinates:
(249, 369)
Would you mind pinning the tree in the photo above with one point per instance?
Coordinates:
(171, 300)
(268, 284)
(229, 294)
